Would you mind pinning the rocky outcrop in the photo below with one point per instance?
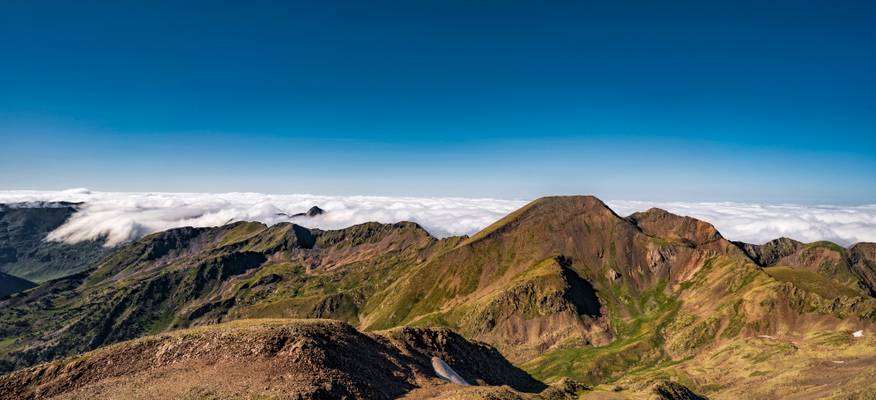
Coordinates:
(669, 390)
(564, 389)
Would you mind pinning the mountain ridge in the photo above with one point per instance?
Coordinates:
(563, 287)
(353, 365)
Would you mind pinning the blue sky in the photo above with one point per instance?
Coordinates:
(640, 100)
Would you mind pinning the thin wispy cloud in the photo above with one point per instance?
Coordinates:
(120, 217)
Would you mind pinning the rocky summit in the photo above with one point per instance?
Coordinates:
(561, 299)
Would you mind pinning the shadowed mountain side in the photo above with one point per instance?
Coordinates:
(24, 250)
(10, 284)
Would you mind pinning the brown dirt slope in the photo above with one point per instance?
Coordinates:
(306, 359)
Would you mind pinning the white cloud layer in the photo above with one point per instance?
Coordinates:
(125, 216)
(759, 223)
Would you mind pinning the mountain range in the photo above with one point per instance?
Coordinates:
(562, 298)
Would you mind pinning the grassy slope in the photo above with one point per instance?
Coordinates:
(637, 346)
(811, 281)
(710, 337)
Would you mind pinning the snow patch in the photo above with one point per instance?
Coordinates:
(445, 372)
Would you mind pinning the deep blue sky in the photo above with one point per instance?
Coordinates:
(642, 100)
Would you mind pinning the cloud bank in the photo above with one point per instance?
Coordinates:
(125, 216)
(121, 217)
(759, 223)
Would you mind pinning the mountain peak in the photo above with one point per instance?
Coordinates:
(770, 252)
(577, 202)
(314, 211)
(549, 208)
(311, 212)
(662, 223)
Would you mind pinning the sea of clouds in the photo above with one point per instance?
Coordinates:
(120, 217)
(759, 223)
